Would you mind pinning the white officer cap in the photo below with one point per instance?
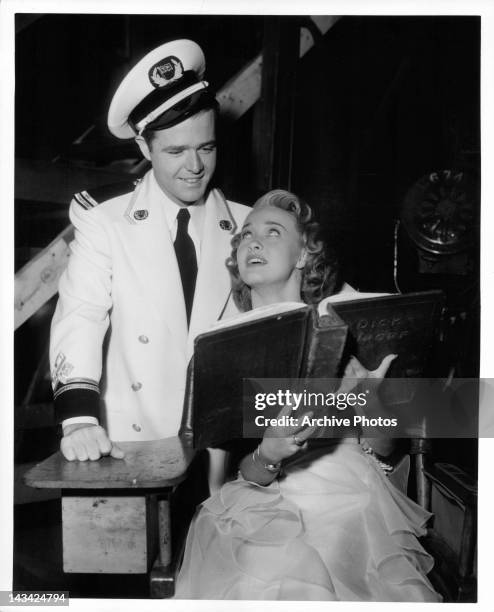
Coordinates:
(164, 88)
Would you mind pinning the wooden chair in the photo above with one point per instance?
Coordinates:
(451, 495)
(452, 535)
(116, 515)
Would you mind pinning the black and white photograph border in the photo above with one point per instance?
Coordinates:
(11, 144)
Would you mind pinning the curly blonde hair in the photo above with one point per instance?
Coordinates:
(320, 271)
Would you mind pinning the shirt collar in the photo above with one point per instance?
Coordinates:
(171, 209)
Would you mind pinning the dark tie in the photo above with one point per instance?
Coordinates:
(186, 258)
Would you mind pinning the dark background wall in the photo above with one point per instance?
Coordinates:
(383, 101)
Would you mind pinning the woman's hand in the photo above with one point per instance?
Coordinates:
(281, 442)
(355, 372)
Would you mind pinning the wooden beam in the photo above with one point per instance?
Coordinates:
(41, 181)
(244, 89)
(37, 281)
(241, 91)
(323, 23)
(274, 113)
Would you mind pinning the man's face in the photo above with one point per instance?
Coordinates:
(184, 158)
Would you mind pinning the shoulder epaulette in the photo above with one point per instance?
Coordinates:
(99, 195)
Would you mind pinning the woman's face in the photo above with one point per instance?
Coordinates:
(270, 248)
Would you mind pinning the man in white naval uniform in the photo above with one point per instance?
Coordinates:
(129, 307)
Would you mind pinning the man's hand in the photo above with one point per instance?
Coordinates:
(83, 441)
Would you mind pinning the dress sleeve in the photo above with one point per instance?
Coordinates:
(81, 317)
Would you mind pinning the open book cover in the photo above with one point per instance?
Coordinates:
(403, 324)
(294, 341)
(280, 341)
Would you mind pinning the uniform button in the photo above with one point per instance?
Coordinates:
(136, 427)
(143, 339)
(136, 386)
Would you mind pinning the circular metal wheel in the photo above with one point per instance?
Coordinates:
(439, 212)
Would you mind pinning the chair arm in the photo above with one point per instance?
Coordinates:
(152, 464)
(454, 483)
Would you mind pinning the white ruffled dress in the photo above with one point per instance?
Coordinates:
(332, 527)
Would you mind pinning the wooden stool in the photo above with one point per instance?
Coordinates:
(116, 512)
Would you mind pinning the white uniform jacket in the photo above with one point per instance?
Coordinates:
(120, 321)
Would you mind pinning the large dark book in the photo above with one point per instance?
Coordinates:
(298, 344)
(294, 343)
(406, 325)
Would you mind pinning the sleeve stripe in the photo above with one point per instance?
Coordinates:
(76, 400)
(90, 199)
(82, 201)
(88, 386)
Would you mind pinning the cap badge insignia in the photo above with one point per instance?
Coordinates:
(140, 215)
(165, 71)
(226, 225)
